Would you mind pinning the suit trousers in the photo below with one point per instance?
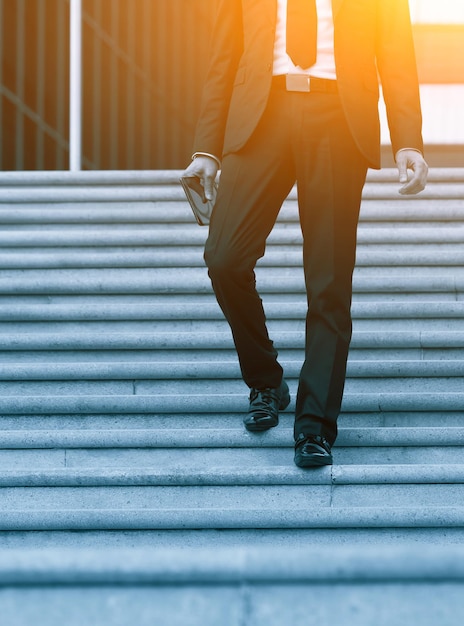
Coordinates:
(302, 138)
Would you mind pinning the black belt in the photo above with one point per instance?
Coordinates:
(304, 84)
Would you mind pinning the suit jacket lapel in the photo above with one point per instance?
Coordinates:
(336, 4)
(272, 5)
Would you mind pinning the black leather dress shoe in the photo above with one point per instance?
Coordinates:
(312, 451)
(265, 405)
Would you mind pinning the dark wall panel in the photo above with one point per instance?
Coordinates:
(34, 60)
(144, 63)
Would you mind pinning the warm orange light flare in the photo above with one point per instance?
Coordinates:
(433, 12)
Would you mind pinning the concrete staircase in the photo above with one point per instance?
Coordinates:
(130, 491)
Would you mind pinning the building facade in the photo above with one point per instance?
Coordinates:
(143, 64)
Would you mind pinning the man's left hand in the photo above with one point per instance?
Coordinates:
(413, 160)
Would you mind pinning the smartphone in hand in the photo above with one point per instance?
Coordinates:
(195, 193)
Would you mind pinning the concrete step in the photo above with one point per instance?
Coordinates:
(247, 565)
(275, 327)
(294, 323)
(162, 178)
(192, 281)
(161, 258)
(392, 298)
(227, 475)
(248, 586)
(212, 426)
(394, 209)
(220, 465)
(228, 434)
(162, 181)
(188, 341)
(107, 509)
(181, 370)
(18, 194)
(205, 309)
(210, 388)
(124, 364)
(81, 401)
(24, 357)
(123, 235)
(215, 540)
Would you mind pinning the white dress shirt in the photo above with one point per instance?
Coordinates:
(325, 62)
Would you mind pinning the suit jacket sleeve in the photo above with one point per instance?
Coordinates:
(225, 52)
(398, 74)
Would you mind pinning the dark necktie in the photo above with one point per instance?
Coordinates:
(302, 32)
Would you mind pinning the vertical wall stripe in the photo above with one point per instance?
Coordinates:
(113, 92)
(40, 82)
(176, 26)
(97, 82)
(20, 51)
(131, 87)
(163, 67)
(146, 98)
(61, 87)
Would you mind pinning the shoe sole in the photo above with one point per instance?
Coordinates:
(313, 461)
(260, 429)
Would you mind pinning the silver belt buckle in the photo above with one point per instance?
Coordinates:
(297, 82)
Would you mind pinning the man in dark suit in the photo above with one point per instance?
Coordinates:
(291, 95)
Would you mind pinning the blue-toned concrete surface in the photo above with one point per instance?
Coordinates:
(130, 492)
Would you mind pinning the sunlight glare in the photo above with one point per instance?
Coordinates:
(433, 12)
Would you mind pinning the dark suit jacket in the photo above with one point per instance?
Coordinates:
(372, 38)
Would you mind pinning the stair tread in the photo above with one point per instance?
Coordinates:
(368, 261)
(189, 339)
(192, 308)
(230, 476)
(170, 281)
(244, 564)
(188, 236)
(214, 403)
(186, 370)
(212, 540)
(227, 436)
(425, 516)
(374, 210)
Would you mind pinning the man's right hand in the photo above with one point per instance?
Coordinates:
(205, 168)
